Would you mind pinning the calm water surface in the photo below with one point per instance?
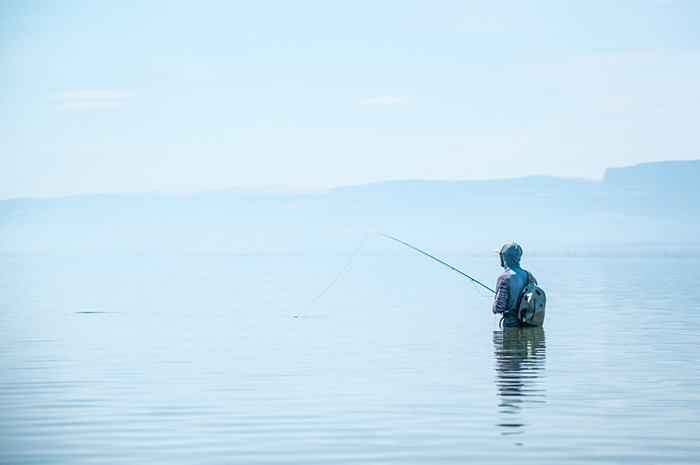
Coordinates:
(199, 360)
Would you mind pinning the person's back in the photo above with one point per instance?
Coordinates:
(510, 284)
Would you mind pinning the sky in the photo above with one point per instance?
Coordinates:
(154, 95)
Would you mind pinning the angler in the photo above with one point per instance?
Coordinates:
(518, 298)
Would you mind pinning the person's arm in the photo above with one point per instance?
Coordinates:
(500, 302)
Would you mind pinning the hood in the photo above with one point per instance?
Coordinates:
(511, 253)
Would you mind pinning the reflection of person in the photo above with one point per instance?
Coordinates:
(509, 285)
(520, 356)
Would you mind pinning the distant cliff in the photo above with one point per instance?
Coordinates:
(653, 205)
(668, 176)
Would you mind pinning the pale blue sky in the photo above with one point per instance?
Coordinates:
(128, 96)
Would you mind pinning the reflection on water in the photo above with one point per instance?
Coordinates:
(520, 358)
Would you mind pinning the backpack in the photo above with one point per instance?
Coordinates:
(531, 304)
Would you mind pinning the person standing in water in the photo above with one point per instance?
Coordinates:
(510, 284)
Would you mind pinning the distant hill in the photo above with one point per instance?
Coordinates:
(653, 206)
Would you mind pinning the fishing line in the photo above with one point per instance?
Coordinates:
(336, 278)
(474, 281)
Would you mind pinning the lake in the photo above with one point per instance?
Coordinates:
(199, 360)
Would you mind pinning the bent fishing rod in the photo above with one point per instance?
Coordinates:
(434, 258)
(401, 242)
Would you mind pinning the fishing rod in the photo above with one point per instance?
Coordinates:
(397, 240)
(434, 258)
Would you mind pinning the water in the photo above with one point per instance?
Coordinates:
(199, 360)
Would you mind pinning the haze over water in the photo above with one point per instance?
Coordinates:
(199, 360)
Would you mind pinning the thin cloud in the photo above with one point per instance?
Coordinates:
(93, 95)
(383, 101)
(89, 105)
(91, 99)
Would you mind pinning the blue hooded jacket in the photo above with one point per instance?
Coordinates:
(512, 281)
